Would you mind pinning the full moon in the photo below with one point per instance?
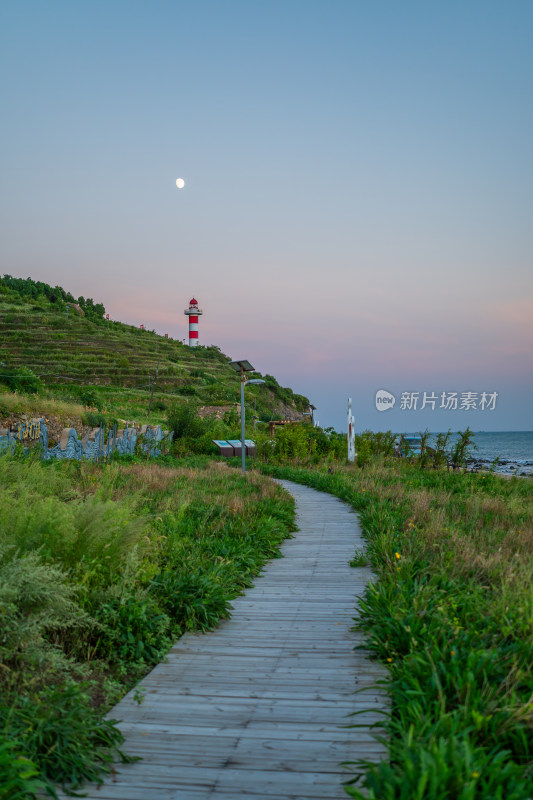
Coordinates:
(180, 183)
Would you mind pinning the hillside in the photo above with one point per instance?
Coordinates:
(85, 358)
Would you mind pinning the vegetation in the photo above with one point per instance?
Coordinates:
(451, 616)
(101, 569)
(112, 367)
(40, 293)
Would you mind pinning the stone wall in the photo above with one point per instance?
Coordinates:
(95, 445)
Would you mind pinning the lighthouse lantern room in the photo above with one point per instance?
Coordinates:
(193, 312)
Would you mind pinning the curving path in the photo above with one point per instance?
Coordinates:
(258, 708)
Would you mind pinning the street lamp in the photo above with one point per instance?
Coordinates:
(243, 367)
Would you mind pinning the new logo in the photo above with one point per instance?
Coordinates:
(384, 400)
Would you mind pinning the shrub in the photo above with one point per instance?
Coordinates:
(36, 600)
(63, 735)
(18, 775)
(89, 397)
(364, 452)
(292, 442)
(94, 419)
(218, 393)
(184, 421)
(439, 450)
(131, 629)
(231, 417)
(21, 379)
(194, 601)
(462, 449)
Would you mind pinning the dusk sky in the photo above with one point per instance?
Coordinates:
(358, 207)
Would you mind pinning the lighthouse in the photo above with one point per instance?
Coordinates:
(193, 312)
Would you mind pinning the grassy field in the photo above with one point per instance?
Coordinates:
(101, 569)
(451, 615)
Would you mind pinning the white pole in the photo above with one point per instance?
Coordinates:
(243, 426)
(351, 433)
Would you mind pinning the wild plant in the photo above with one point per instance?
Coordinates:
(463, 447)
(102, 567)
(36, 601)
(360, 559)
(130, 629)
(194, 601)
(424, 456)
(451, 616)
(18, 775)
(440, 451)
(63, 735)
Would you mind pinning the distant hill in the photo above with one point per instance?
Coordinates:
(87, 356)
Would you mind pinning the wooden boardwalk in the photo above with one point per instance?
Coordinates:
(258, 708)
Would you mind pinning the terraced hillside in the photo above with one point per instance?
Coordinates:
(68, 353)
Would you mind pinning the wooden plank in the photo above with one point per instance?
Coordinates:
(164, 731)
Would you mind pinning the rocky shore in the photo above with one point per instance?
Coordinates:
(523, 468)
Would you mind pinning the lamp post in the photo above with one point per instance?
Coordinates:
(243, 367)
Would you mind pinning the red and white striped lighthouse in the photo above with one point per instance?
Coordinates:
(193, 312)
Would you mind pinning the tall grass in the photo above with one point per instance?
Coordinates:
(37, 405)
(451, 615)
(101, 569)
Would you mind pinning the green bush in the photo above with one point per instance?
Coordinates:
(36, 601)
(18, 775)
(21, 379)
(194, 601)
(183, 421)
(59, 730)
(463, 447)
(219, 393)
(370, 444)
(90, 397)
(300, 443)
(445, 769)
(231, 418)
(131, 629)
(94, 419)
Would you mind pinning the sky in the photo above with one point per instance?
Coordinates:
(357, 212)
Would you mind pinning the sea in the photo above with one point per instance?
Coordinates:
(512, 449)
